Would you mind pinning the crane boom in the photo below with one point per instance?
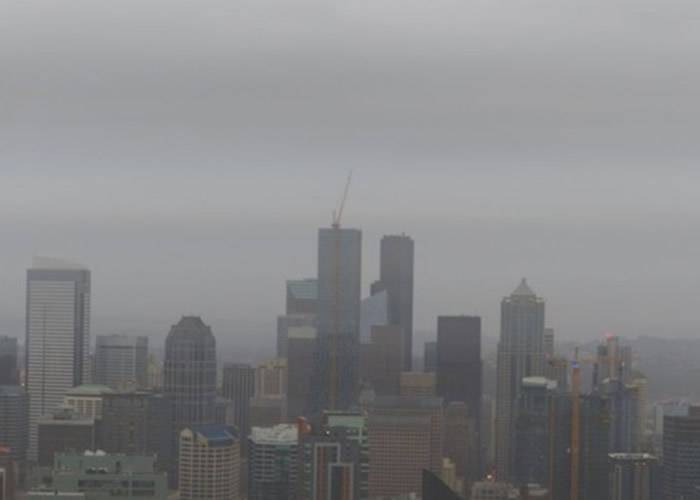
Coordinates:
(338, 214)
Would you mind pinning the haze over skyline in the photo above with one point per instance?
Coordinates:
(187, 153)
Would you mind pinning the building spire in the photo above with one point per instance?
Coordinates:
(523, 290)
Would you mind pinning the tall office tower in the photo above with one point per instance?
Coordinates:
(139, 423)
(300, 364)
(329, 464)
(430, 357)
(396, 277)
(434, 488)
(374, 311)
(301, 310)
(58, 336)
(681, 452)
(287, 325)
(8, 361)
(460, 441)
(189, 372)
(417, 385)
(459, 364)
(338, 343)
(405, 437)
(239, 386)
(209, 463)
(543, 437)
(271, 378)
(121, 361)
(272, 462)
(520, 355)
(594, 445)
(634, 476)
(380, 360)
(64, 430)
(13, 422)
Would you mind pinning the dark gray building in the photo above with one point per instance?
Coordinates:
(9, 374)
(681, 455)
(139, 423)
(62, 431)
(189, 372)
(396, 277)
(594, 446)
(430, 357)
(300, 364)
(239, 387)
(337, 347)
(13, 421)
(634, 476)
(121, 361)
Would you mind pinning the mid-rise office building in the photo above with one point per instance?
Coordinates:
(681, 451)
(57, 336)
(520, 355)
(396, 278)
(272, 462)
(9, 370)
(634, 476)
(87, 400)
(337, 348)
(239, 387)
(121, 361)
(405, 436)
(417, 384)
(190, 372)
(13, 422)
(65, 431)
(271, 378)
(209, 463)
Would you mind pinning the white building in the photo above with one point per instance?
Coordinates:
(57, 336)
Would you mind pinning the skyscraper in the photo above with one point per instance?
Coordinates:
(520, 355)
(8, 361)
(634, 476)
(190, 372)
(13, 421)
(396, 277)
(301, 309)
(58, 336)
(337, 346)
(272, 464)
(121, 361)
(380, 360)
(239, 386)
(681, 455)
(209, 463)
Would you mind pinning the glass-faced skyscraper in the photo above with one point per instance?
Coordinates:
(396, 277)
(337, 346)
(189, 372)
(520, 355)
(57, 336)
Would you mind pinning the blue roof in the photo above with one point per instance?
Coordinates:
(221, 435)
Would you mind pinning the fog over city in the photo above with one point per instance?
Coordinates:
(187, 153)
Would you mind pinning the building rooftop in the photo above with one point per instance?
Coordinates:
(523, 290)
(633, 457)
(54, 263)
(279, 434)
(217, 435)
(89, 390)
(539, 382)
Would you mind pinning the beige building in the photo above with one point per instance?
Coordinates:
(86, 400)
(271, 378)
(209, 463)
(418, 384)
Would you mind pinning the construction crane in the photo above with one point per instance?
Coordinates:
(333, 355)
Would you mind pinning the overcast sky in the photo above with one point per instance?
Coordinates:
(187, 152)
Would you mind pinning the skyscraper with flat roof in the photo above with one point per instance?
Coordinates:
(57, 336)
(190, 372)
(634, 476)
(681, 455)
(520, 355)
(396, 277)
(338, 343)
(121, 361)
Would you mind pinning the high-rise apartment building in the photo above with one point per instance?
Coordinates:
(405, 436)
(190, 372)
(209, 463)
(338, 344)
(634, 476)
(681, 455)
(520, 355)
(9, 374)
(272, 462)
(239, 386)
(121, 361)
(396, 277)
(57, 336)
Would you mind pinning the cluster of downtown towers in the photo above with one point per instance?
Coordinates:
(58, 345)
